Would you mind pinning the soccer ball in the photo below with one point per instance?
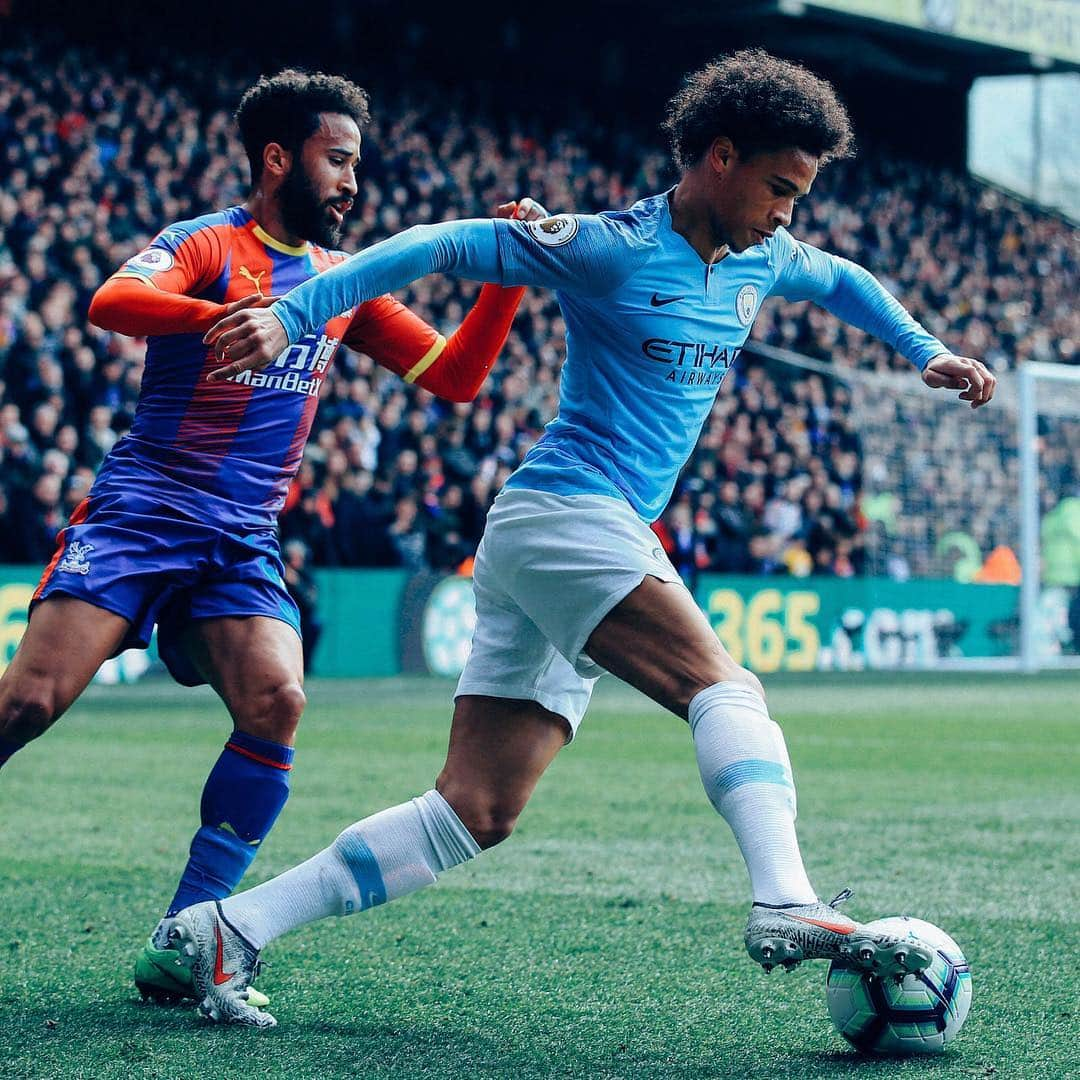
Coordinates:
(919, 1014)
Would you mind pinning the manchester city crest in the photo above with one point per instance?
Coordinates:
(746, 304)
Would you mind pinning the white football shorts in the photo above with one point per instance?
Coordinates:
(549, 568)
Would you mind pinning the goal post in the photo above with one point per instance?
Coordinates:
(1048, 400)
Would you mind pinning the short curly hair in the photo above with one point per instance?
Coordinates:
(761, 103)
(285, 108)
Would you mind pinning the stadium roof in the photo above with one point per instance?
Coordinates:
(919, 39)
(929, 41)
(1048, 31)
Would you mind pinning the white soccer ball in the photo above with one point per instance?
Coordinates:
(919, 1014)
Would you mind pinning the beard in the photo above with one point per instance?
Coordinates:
(304, 214)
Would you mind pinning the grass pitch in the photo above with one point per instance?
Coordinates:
(604, 939)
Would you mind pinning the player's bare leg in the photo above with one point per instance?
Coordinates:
(65, 643)
(658, 640)
(256, 666)
(498, 751)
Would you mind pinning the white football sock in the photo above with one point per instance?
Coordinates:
(387, 855)
(747, 775)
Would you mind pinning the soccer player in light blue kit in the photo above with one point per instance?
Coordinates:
(570, 581)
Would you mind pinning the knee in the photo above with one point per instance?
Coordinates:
(749, 680)
(489, 822)
(729, 672)
(489, 817)
(27, 711)
(274, 714)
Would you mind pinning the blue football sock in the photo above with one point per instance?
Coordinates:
(7, 748)
(244, 794)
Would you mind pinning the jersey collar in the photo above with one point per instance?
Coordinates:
(681, 240)
(277, 245)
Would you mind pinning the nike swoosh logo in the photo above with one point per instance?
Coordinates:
(663, 301)
(836, 928)
(220, 975)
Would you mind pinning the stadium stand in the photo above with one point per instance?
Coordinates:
(95, 161)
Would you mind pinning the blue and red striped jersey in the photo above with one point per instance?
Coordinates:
(229, 449)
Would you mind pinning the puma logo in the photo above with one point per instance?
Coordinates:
(255, 279)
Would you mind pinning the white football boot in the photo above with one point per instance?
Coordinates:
(787, 934)
(223, 964)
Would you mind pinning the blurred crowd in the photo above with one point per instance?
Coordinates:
(94, 161)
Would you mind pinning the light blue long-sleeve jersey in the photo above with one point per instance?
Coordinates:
(652, 330)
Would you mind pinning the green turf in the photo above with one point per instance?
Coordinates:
(604, 940)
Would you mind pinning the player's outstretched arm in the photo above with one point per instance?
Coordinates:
(251, 339)
(584, 255)
(853, 294)
(128, 305)
(453, 368)
(156, 291)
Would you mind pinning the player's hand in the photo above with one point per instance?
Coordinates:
(247, 340)
(972, 377)
(523, 210)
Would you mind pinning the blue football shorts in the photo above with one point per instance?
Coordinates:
(150, 564)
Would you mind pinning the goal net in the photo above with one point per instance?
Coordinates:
(970, 520)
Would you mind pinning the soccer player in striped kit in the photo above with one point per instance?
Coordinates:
(179, 527)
